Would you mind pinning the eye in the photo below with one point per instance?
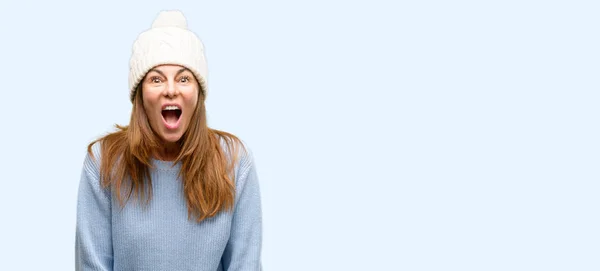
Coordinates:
(155, 79)
(184, 79)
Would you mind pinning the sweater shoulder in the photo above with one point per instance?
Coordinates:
(235, 148)
(92, 159)
(90, 178)
(242, 155)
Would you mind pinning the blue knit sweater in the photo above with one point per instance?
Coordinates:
(160, 236)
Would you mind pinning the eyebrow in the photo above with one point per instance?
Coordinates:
(162, 74)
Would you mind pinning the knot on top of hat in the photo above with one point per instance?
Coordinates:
(170, 18)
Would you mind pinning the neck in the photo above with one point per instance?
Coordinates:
(168, 152)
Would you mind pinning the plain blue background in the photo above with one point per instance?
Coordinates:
(388, 135)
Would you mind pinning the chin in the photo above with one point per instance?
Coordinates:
(171, 138)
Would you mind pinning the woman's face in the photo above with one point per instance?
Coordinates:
(170, 95)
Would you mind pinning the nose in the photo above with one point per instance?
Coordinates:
(171, 90)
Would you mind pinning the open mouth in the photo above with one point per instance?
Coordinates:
(171, 115)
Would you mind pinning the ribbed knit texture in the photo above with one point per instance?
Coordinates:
(168, 41)
(160, 236)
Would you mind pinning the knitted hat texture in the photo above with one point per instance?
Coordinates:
(168, 41)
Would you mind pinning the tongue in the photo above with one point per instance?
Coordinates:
(170, 116)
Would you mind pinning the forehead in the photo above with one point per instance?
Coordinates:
(169, 69)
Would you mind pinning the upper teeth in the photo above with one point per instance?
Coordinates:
(172, 107)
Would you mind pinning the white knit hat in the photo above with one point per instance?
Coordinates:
(168, 42)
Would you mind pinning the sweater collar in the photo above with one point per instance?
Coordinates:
(165, 165)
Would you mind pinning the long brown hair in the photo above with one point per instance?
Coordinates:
(206, 167)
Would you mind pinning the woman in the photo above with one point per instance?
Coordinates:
(166, 192)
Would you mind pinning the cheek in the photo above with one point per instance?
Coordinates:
(149, 107)
(149, 115)
(189, 112)
(191, 101)
(194, 102)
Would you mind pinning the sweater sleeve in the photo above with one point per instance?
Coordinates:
(243, 250)
(93, 236)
